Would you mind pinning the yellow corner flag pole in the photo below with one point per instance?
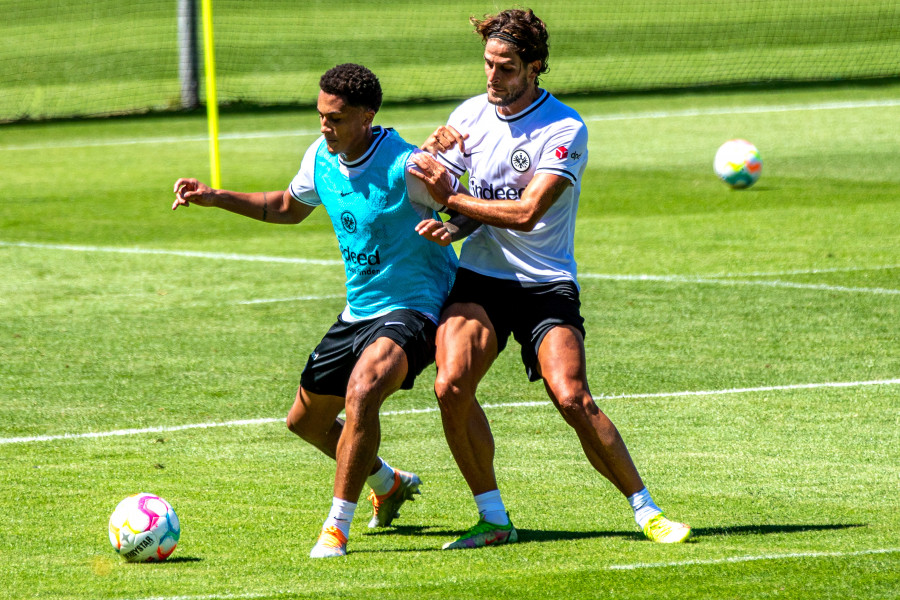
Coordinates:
(212, 105)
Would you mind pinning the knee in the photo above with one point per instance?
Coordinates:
(362, 405)
(445, 388)
(297, 424)
(308, 424)
(452, 393)
(576, 406)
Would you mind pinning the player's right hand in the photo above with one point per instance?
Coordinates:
(444, 138)
(188, 190)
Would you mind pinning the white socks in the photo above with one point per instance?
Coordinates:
(341, 515)
(491, 508)
(383, 479)
(644, 507)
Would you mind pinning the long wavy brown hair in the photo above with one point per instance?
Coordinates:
(521, 29)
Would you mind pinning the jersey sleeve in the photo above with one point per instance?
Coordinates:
(303, 186)
(453, 158)
(565, 152)
(418, 193)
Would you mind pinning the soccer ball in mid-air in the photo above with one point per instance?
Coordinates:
(144, 528)
(738, 164)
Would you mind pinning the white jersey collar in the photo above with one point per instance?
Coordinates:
(542, 97)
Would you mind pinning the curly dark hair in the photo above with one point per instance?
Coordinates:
(356, 84)
(521, 29)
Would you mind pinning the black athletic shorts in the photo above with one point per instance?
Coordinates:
(328, 368)
(528, 310)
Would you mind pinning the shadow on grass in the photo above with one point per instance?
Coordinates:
(550, 535)
(769, 529)
(413, 530)
(527, 536)
(538, 535)
(180, 559)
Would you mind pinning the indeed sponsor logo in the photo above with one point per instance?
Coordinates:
(488, 192)
(360, 258)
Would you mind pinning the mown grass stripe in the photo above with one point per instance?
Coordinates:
(743, 559)
(713, 280)
(775, 283)
(162, 252)
(412, 411)
(625, 567)
(662, 114)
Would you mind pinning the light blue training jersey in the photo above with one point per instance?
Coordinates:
(388, 265)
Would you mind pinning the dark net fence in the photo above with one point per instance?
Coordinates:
(75, 58)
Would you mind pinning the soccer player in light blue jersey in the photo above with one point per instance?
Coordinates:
(397, 282)
(525, 152)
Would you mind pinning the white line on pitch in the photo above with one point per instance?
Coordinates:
(742, 559)
(716, 279)
(746, 110)
(664, 114)
(724, 281)
(631, 567)
(187, 253)
(244, 596)
(750, 390)
(265, 420)
(124, 432)
(160, 140)
(806, 271)
(294, 299)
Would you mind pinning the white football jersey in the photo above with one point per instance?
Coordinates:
(502, 155)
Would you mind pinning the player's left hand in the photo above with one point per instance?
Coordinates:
(434, 230)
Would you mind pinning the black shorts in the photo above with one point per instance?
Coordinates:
(328, 368)
(528, 311)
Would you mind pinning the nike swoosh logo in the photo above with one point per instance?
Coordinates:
(467, 155)
(345, 194)
(498, 537)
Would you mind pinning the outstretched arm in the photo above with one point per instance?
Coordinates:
(521, 215)
(273, 207)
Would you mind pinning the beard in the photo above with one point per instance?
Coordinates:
(510, 97)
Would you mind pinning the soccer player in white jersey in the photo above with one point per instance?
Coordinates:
(397, 282)
(525, 153)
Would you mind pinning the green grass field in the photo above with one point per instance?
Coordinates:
(69, 57)
(747, 345)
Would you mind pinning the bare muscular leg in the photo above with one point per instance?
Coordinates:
(378, 373)
(562, 365)
(466, 348)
